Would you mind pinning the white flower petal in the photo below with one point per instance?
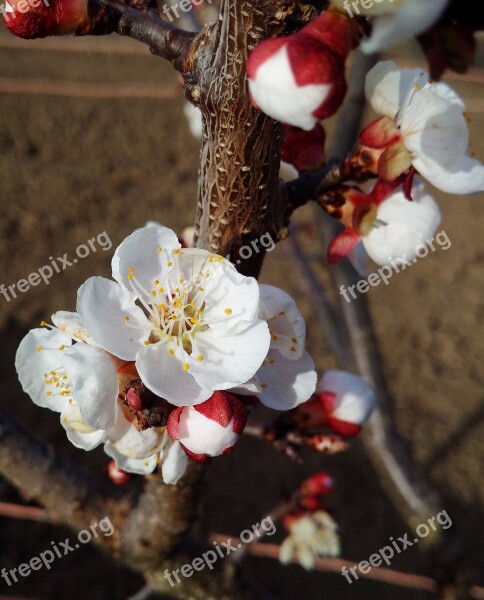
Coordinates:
(139, 466)
(231, 298)
(434, 129)
(387, 86)
(37, 356)
(103, 307)
(94, 381)
(175, 462)
(286, 383)
(164, 374)
(130, 442)
(286, 324)
(465, 177)
(70, 323)
(78, 432)
(140, 251)
(229, 358)
(402, 226)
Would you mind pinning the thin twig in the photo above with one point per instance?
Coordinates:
(163, 38)
(334, 565)
(29, 513)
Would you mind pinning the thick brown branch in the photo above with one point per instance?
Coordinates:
(163, 515)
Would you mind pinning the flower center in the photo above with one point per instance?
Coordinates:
(175, 310)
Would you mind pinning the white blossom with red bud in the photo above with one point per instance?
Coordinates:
(347, 400)
(116, 475)
(424, 127)
(390, 227)
(209, 429)
(300, 79)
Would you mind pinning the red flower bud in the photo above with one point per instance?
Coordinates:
(211, 428)
(117, 476)
(347, 400)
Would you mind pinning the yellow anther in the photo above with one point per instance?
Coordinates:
(39, 348)
(61, 347)
(177, 251)
(186, 367)
(159, 250)
(182, 280)
(130, 276)
(171, 351)
(146, 342)
(228, 311)
(126, 319)
(162, 290)
(169, 264)
(153, 292)
(200, 357)
(43, 324)
(156, 282)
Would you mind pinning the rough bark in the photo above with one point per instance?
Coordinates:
(239, 197)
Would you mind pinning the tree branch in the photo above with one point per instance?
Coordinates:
(69, 494)
(148, 27)
(162, 517)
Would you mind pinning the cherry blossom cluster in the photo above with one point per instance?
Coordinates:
(421, 133)
(166, 360)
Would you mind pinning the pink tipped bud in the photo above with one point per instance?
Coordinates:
(317, 485)
(298, 79)
(334, 29)
(347, 400)
(304, 149)
(211, 428)
(117, 476)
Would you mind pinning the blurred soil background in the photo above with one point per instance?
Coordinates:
(93, 139)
